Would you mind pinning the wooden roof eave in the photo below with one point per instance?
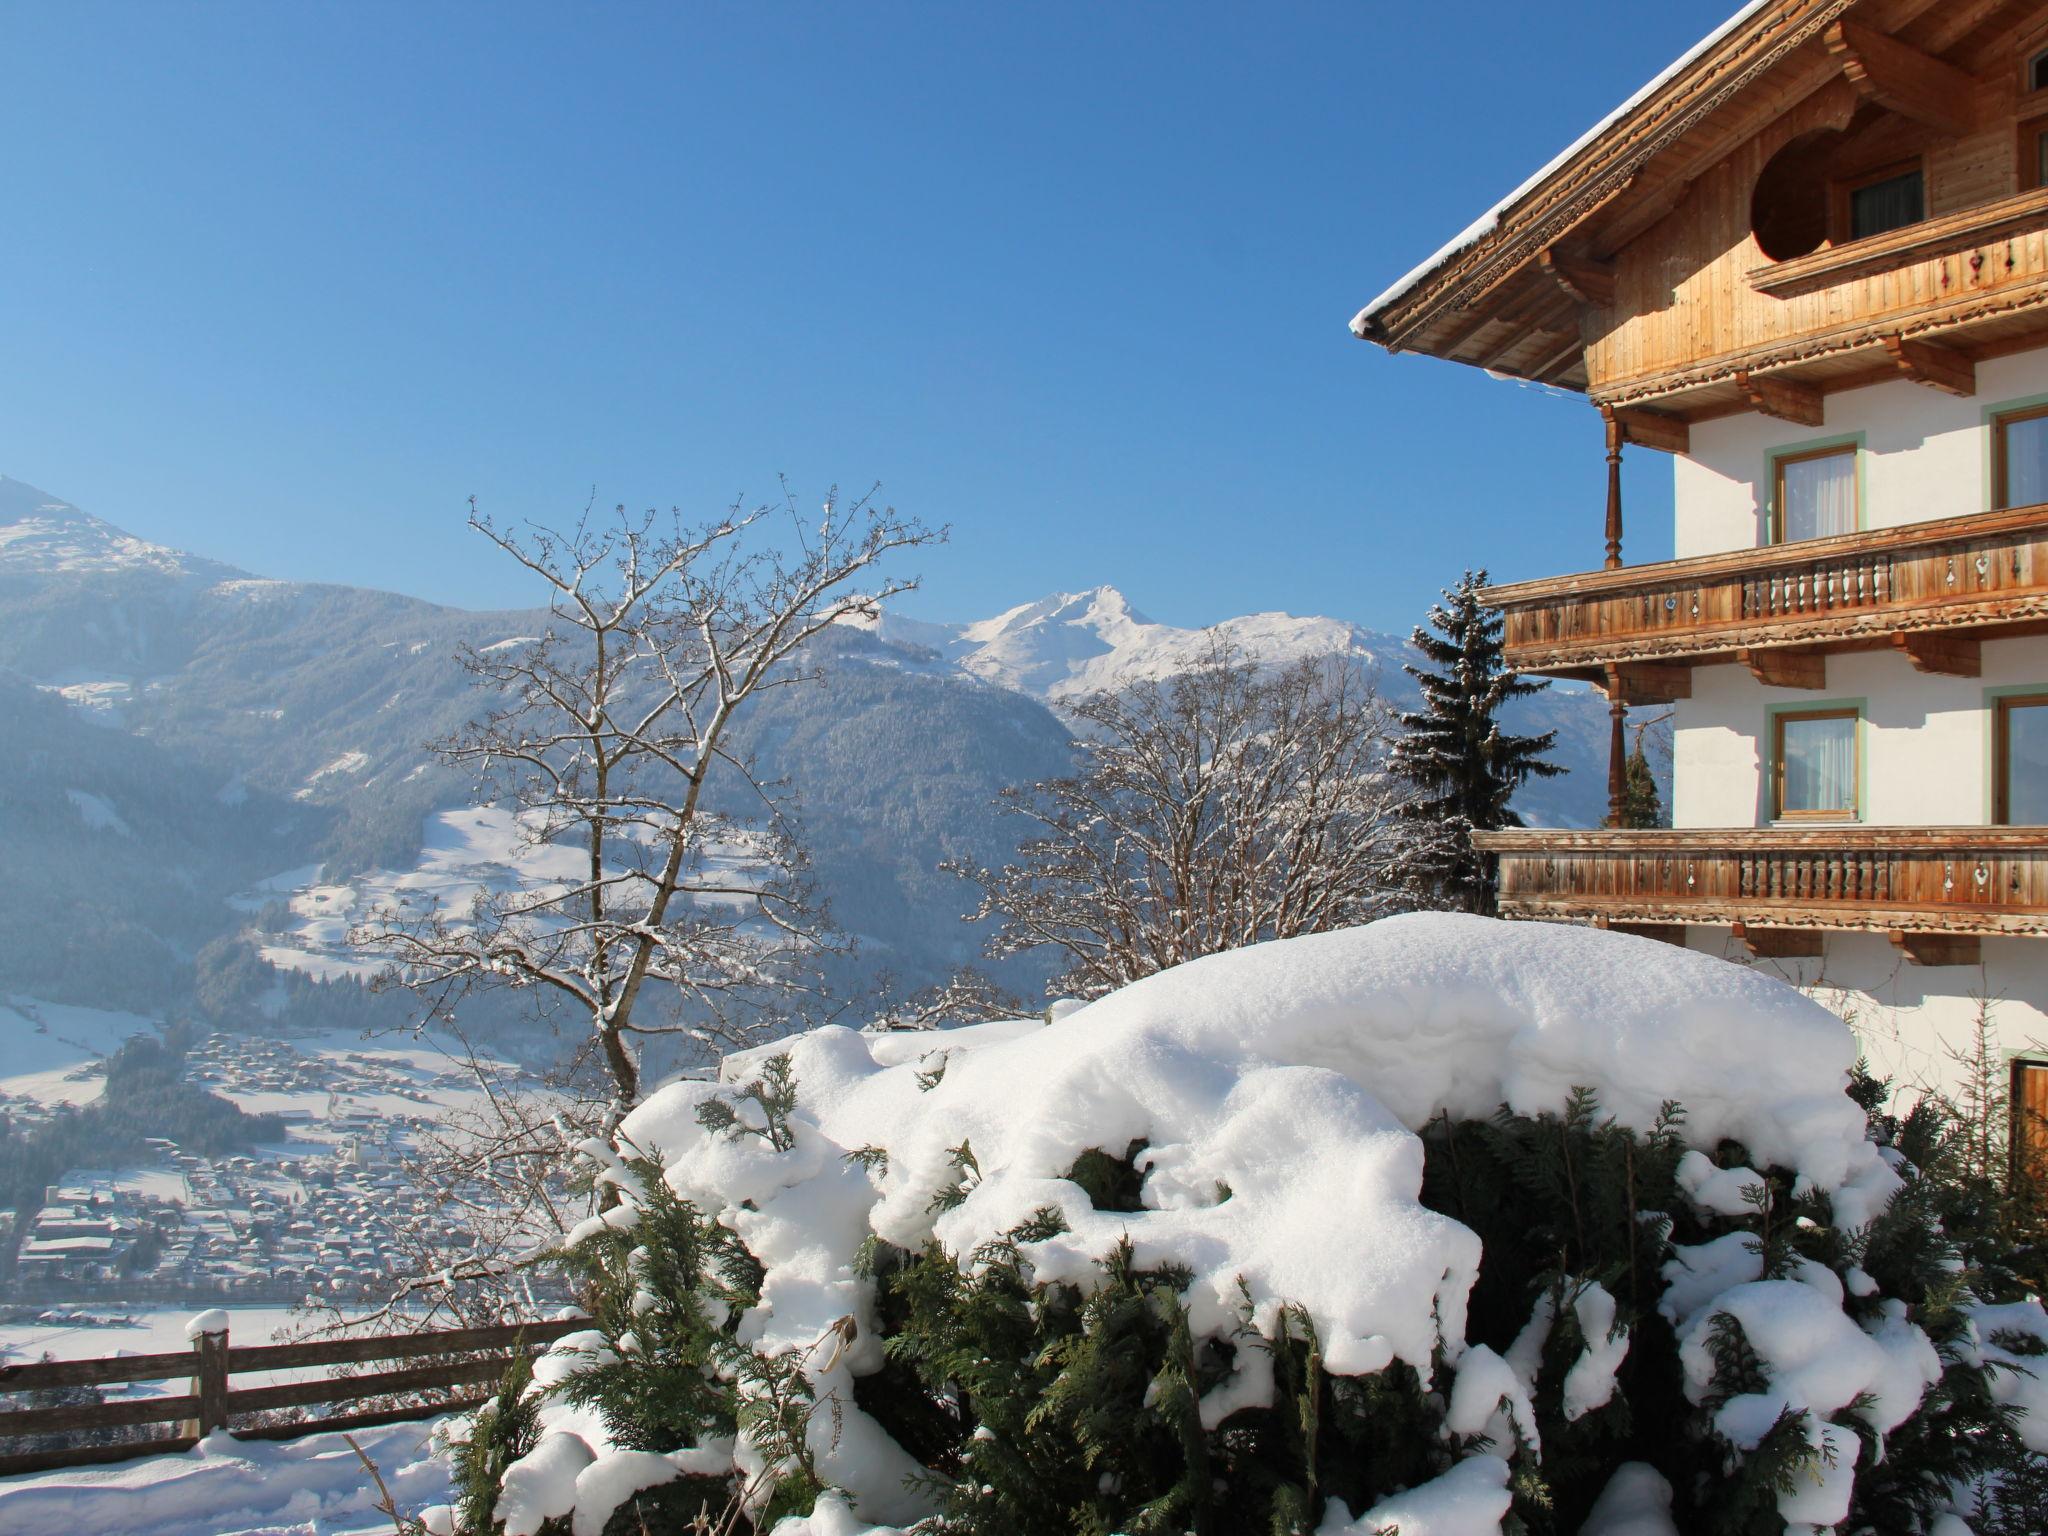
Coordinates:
(1634, 172)
(1604, 168)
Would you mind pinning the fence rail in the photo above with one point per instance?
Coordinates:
(461, 1358)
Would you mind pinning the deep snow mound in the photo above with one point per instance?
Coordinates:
(1268, 1098)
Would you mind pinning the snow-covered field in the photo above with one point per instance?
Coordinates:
(464, 853)
(311, 1487)
(44, 1046)
(90, 1332)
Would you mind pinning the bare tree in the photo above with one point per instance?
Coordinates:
(656, 912)
(1225, 806)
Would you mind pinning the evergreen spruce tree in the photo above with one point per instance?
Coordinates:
(1641, 806)
(1454, 750)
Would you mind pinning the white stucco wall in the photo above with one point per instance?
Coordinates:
(1924, 455)
(1926, 740)
(1917, 1024)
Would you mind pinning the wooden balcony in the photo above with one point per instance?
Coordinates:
(1932, 590)
(1933, 890)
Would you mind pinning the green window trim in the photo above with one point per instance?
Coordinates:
(1855, 440)
(1988, 459)
(1991, 698)
(1767, 785)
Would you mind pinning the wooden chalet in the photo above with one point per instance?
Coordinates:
(1810, 264)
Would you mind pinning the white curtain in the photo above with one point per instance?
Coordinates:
(2026, 461)
(2026, 765)
(1820, 496)
(1820, 765)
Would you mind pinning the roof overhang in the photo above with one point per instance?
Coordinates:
(1506, 293)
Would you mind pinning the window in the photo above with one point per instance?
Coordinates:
(2037, 71)
(2029, 1112)
(1813, 764)
(1814, 493)
(2019, 452)
(1889, 200)
(2034, 153)
(2019, 760)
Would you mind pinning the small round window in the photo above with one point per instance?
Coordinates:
(1788, 211)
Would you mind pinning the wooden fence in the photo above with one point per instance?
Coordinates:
(458, 1362)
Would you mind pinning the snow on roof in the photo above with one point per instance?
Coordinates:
(1488, 221)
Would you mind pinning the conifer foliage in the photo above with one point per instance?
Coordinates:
(1455, 751)
(1039, 1407)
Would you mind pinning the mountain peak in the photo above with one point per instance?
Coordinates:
(42, 535)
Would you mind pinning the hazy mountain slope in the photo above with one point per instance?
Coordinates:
(281, 725)
(894, 767)
(117, 857)
(320, 698)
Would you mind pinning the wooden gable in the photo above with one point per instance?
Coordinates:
(1695, 256)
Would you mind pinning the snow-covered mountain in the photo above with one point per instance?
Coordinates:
(1085, 642)
(42, 536)
(194, 733)
(1073, 643)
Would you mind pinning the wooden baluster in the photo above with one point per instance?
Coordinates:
(1613, 488)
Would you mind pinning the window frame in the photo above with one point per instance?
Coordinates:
(1846, 187)
(2001, 749)
(1854, 810)
(2033, 137)
(1776, 522)
(2025, 1161)
(2000, 420)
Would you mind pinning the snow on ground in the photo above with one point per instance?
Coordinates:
(310, 1487)
(348, 762)
(98, 813)
(46, 1047)
(151, 1183)
(463, 853)
(108, 1328)
(1271, 1090)
(101, 696)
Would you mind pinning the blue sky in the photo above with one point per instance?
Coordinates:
(284, 284)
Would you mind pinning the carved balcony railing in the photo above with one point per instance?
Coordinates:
(1932, 890)
(1932, 590)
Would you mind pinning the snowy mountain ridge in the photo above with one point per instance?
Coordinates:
(42, 536)
(1071, 643)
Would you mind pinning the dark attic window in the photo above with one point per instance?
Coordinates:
(1889, 201)
(1788, 210)
(2037, 71)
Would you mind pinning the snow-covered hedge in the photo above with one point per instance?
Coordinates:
(1430, 1225)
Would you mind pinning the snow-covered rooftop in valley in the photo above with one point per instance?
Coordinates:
(1489, 221)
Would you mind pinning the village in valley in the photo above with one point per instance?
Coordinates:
(317, 1210)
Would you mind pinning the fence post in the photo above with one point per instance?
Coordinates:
(209, 1334)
